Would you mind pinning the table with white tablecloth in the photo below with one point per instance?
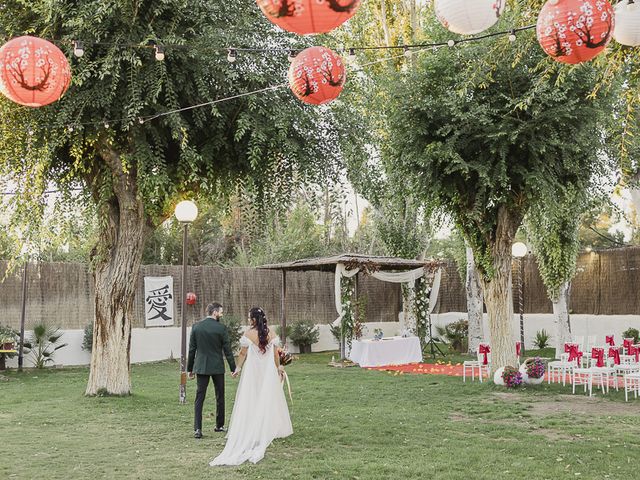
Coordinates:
(388, 351)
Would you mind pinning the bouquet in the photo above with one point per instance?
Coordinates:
(512, 377)
(285, 357)
(535, 368)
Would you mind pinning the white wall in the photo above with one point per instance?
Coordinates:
(153, 344)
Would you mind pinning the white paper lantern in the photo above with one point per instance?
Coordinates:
(627, 23)
(467, 17)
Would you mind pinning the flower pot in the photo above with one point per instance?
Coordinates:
(8, 346)
(305, 348)
(527, 379)
(497, 377)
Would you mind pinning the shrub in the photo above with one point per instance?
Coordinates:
(43, 343)
(456, 334)
(631, 333)
(542, 339)
(87, 340)
(287, 330)
(304, 333)
(511, 376)
(235, 331)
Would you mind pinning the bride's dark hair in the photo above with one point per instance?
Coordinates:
(259, 319)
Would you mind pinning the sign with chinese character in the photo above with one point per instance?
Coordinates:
(158, 301)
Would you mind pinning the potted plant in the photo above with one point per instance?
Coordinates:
(508, 376)
(532, 371)
(7, 342)
(304, 334)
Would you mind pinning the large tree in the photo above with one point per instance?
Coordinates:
(480, 130)
(135, 172)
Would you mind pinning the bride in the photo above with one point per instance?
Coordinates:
(260, 412)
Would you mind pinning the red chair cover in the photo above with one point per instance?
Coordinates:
(609, 340)
(598, 354)
(574, 353)
(628, 343)
(635, 351)
(615, 354)
(518, 348)
(484, 349)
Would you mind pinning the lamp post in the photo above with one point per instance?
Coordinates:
(519, 250)
(186, 212)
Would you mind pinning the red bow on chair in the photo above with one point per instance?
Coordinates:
(568, 346)
(615, 354)
(574, 353)
(609, 340)
(598, 354)
(635, 351)
(628, 344)
(518, 348)
(484, 349)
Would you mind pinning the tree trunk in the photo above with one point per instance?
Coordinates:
(497, 292)
(474, 304)
(561, 312)
(635, 199)
(385, 23)
(116, 264)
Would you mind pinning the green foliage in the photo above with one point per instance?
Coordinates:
(542, 339)
(235, 331)
(487, 137)
(456, 334)
(631, 333)
(87, 338)
(43, 342)
(261, 143)
(304, 332)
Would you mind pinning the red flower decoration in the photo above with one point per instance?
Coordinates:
(33, 72)
(575, 31)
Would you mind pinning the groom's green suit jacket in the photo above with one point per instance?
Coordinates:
(209, 338)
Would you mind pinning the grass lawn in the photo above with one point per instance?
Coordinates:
(348, 423)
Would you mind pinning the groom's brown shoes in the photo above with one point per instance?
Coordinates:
(197, 434)
(219, 429)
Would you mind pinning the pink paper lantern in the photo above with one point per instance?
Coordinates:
(575, 31)
(317, 75)
(33, 71)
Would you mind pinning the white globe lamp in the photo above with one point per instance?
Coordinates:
(519, 250)
(467, 17)
(186, 211)
(627, 23)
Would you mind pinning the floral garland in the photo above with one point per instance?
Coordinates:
(421, 309)
(348, 324)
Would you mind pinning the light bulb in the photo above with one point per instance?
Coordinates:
(159, 52)
(78, 49)
(292, 55)
(451, 43)
(512, 36)
(232, 55)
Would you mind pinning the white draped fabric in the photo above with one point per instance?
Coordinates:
(408, 277)
(388, 351)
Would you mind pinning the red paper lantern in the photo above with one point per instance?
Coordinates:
(308, 16)
(33, 72)
(191, 298)
(575, 31)
(317, 75)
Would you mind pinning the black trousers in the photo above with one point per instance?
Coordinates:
(201, 393)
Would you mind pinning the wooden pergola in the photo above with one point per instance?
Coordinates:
(328, 264)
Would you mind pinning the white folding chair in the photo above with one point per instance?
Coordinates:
(476, 365)
(591, 342)
(561, 367)
(631, 384)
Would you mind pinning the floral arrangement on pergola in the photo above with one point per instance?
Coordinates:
(420, 276)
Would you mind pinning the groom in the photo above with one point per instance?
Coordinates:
(209, 338)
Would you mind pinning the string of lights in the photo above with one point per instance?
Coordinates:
(233, 53)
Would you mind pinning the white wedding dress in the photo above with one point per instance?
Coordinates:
(260, 412)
